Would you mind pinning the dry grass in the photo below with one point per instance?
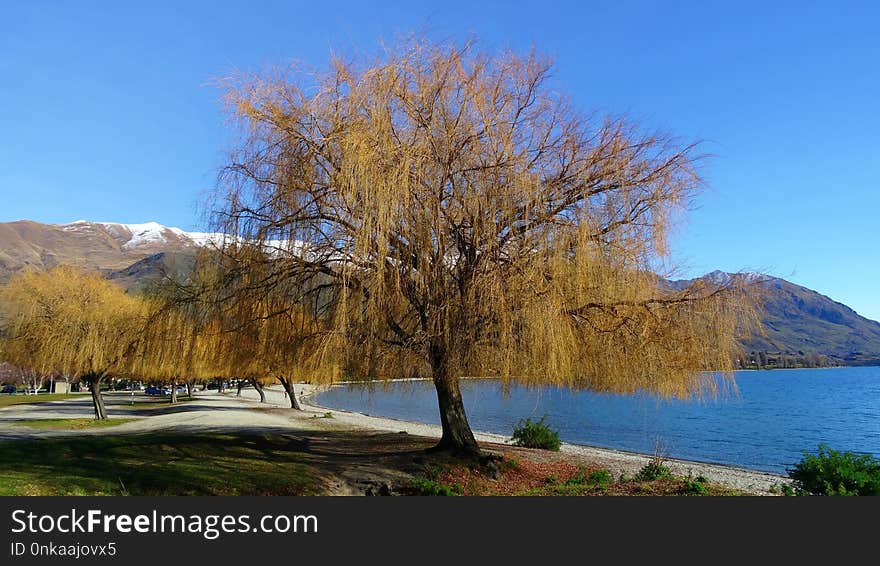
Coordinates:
(72, 424)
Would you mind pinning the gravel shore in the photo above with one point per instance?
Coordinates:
(617, 461)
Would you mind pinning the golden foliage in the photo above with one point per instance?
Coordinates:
(264, 335)
(447, 213)
(70, 322)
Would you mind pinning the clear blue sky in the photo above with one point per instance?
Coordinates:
(107, 110)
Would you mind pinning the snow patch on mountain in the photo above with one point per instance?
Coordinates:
(719, 277)
(136, 235)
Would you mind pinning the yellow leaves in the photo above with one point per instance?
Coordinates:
(454, 200)
(68, 321)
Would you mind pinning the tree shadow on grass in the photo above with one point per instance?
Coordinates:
(262, 462)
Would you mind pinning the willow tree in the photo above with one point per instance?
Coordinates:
(170, 350)
(467, 220)
(71, 322)
(287, 346)
(265, 331)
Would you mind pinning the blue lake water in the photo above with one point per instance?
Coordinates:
(765, 425)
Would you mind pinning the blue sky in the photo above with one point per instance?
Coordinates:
(107, 109)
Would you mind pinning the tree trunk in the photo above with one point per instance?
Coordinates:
(259, 387)
(189, 389)
(291, 392)
(240, 385)
(173, 392)
(94, 382)
(457, 435)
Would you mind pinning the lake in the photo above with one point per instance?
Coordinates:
(765, 425)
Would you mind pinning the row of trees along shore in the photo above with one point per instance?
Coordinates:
(439, 213)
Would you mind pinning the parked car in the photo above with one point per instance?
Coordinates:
(153, 390)
(8, 390)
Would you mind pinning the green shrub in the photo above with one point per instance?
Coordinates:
(424, 486)
(536, 435)
(579, 478)
(581, 481)
(695, 487)
(782, 489)
(601, 477)
(653, 470)
(834, 473)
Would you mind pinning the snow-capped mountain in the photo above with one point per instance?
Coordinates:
(148, 234)
(105, 246)
(719, 277)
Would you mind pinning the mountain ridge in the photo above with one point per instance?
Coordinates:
(94, 245)
(801, 326)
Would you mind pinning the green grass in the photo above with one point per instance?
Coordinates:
(667, 486)
(9, 400)
(429, 487)
(72, 424)
(156, 464)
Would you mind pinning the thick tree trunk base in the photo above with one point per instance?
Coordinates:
(458, 438)
(456, 449)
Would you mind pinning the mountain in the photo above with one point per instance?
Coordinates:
(105, 246)
(137, 276)
(801, 326)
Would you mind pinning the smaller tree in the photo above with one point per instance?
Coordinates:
(259, 337)
(172, 348)
(71, 322)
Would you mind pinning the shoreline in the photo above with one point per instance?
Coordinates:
(616, 461)
(243, 414)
